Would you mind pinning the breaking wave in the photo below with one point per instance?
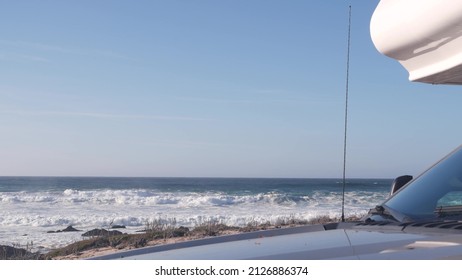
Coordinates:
(28, 214)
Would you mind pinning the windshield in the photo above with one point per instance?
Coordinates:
(434, 194)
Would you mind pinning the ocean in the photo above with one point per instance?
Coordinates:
(31, 207)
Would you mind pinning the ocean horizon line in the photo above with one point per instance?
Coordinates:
(193, 177)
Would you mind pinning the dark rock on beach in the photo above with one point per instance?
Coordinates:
(13, 253)
(118, 226)
(181, 231)
(68, 229)
(101, 232)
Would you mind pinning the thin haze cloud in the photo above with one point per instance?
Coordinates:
(63, 50)
(103, 115)
(276, 99)
(188, 144)
(8, 56)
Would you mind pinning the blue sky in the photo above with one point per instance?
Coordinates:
(210, 88)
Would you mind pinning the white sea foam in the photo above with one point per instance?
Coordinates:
(27, 216)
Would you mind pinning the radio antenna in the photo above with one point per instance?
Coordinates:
(346, 116)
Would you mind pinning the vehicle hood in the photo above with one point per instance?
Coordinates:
(313, 242)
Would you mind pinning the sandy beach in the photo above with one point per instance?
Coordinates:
(108, 244)
(110, 250)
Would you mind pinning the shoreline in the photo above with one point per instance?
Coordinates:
(113, 241)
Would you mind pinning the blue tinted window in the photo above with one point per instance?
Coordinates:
(437, 186)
